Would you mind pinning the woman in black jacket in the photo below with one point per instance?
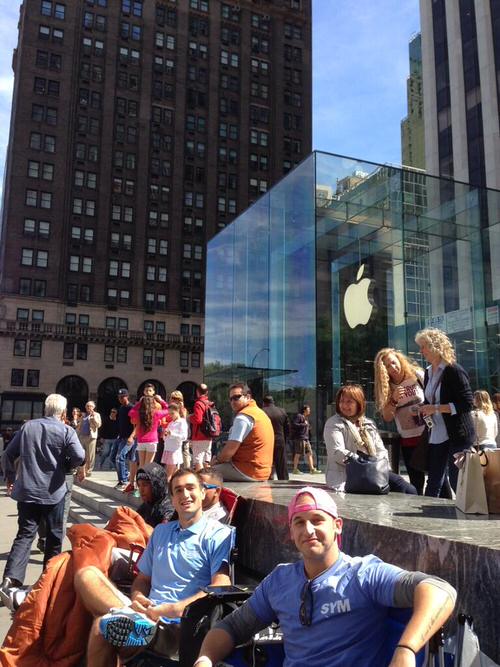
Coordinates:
(448, 401)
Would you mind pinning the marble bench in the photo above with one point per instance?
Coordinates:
(414, 532)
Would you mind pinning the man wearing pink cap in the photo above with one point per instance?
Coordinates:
(332, 608)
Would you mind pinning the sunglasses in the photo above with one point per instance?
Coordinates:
(306, 604)
(210, 486)
(235, 397)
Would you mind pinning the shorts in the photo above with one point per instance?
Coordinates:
(202, 451)
(172, 458)
(301, 447)
(147, 447)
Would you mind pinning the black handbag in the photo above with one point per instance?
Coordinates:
(367, 474)
(420, 455)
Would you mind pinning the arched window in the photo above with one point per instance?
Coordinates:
(189, 392)
(159, 386)
(76, 391)
(107, 395)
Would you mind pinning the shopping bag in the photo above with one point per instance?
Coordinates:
(471, 493)
(367, 474)
(491, 471)
(467, 651)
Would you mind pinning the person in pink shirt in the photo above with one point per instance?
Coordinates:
(146, 416)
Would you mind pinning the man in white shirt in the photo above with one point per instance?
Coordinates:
(212, 506)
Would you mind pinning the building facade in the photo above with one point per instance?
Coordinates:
(412, 127)
(338, 260)
(139, 130)
(461, 74)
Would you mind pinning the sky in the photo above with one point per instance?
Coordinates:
(360, 66)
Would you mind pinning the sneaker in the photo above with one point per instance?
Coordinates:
(126, 627)
(315, 471)
(129, 488)
(40, 545)
(296, 471)
(120, 486)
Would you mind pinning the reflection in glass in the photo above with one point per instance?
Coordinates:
(343, 257)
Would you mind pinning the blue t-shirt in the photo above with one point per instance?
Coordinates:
(180, 561)
(350, 605)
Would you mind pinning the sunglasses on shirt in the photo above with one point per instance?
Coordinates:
(306, 604)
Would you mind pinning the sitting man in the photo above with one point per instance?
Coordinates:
(247, 456)
(212, 506)
(331, 607)
(153, 488)
(181, 557)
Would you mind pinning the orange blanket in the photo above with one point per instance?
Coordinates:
(51, 627)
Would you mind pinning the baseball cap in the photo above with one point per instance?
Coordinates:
(322, 501)
(122, 392)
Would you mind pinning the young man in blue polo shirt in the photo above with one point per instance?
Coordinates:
(180, 559)
(331, 607)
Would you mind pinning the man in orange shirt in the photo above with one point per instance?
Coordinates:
(247, 456)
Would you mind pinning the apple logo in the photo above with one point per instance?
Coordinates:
(358, 305)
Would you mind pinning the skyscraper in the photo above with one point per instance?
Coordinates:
(461, 75)
(412, 127)
(461, 66)
(139, 129)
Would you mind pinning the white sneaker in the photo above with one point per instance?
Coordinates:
(126, 627)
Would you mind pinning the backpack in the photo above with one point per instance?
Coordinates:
(211, 424)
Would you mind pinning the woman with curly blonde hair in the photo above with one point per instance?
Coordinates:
(448, 401)
(399, 391)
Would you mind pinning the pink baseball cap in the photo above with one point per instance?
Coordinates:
(322, 501)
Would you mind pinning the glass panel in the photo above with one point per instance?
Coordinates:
(341, 258)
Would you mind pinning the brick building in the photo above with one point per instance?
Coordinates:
(139, 129)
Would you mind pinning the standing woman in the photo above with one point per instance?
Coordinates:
(348, 431)
(485, 420)
(146, 417)
(176, 396)
(448, 401)
(399, 391)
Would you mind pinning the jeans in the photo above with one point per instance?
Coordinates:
(417, 477)
(109, 449)
(42, 527)
(279, 460)
(441, 463)
(125, 452)
(399, 485)
(29, 516)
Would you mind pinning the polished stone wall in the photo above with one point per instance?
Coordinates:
(416, 533)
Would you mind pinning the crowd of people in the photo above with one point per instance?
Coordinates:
(164, 455)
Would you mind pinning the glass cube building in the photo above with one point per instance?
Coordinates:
(339, 259)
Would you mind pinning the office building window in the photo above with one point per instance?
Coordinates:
(20, 347)
(35, 349)
(17, 377)
(32, 377)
